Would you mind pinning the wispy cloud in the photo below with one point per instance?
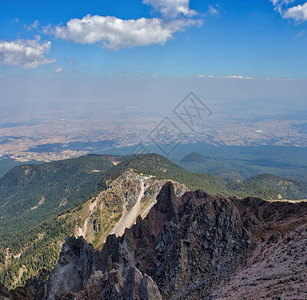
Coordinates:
(28, 54)
(32, 26)
(214, 10)
(300, 34)
(279, 4)
(237, 77)
(58, 69)
(225, 77)
(172, 8)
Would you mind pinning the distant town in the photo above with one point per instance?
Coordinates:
(62, 138)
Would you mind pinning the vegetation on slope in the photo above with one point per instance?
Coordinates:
(30, 194)
(34, 251)
(194, 157)
(162, 168)
(286, 187)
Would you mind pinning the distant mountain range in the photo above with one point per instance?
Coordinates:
(42, 204)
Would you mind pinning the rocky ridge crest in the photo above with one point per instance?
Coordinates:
(186, 248)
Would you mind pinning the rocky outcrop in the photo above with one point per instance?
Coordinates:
(4, 293)
(275, 270)
(182, 246)
(74, 268)
(186, 248)
(276, 267)
(114, 287)
(78, 275)
(17, 294)
(116, 208)
(208, 242)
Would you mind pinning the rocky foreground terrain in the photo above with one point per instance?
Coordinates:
(196, 246)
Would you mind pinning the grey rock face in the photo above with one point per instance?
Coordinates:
(74, 268)
(76, 276)
(113, 286)
(138, 286)
(207, 242)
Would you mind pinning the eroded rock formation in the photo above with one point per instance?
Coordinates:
(184, 249)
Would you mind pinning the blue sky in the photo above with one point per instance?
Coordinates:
(172, 38)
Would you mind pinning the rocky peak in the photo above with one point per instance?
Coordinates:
(74, 268)
(195, 235)
(183, 249)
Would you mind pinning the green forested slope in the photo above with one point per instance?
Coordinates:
(288, 188)
(162, 168)
(30, 194)
(35, 250)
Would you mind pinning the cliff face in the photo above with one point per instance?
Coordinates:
(277, 265)
(184, 249)
(74, 268)
(126, 197)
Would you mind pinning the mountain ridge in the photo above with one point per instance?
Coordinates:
(93, 217)
(188, 246)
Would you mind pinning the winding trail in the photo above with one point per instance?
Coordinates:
(128, 217)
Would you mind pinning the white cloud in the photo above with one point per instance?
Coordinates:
(214, 10)
(225, 77)
(279, 4)
(300, 34)
(237, 77)
(171, 8)
(298, 13)
(32, 26)
(27, 54)
(58, 69)
(116, 33)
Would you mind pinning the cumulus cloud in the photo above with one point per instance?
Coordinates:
(171, 8)
(115, 33)
(298, 13)
(27, 54)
